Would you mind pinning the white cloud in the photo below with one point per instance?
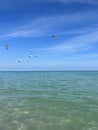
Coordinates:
(45, 26)
(78, 1)
(77, 44)
(89, 56)
(15, 4)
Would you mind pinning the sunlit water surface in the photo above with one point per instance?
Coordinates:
(49, 100)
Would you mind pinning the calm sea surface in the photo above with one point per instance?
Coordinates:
(49, 100)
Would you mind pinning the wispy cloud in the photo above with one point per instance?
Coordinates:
(15, 3)
(74, 45)
(78, 43)
(93, 56)
(78, 1)
(44, 26)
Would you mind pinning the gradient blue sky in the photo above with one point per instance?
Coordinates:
(27, 26)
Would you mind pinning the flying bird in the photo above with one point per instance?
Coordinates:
(6, 46)
(36, 56)
(55, 36)
(19, 60)
(30, 56)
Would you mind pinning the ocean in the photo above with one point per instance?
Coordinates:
(54, 100)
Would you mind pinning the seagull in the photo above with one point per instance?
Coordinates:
(30, 56)
(55, 36)
(6, 46)
(36, 56)
(19, 60)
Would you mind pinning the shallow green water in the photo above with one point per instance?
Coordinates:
(49, 100)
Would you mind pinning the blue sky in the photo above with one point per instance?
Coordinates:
(28, 25)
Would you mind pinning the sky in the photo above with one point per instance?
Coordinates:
(28, 26)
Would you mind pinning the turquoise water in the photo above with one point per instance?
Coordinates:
(49, 100)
